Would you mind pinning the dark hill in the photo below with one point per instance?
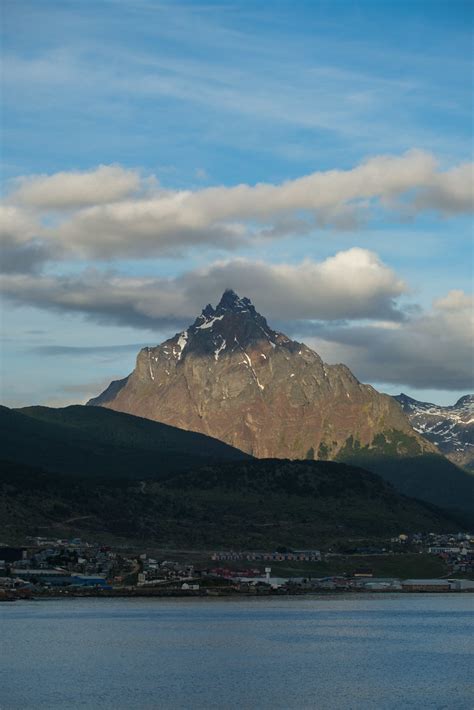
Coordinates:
(89, 441)
(430, 477)
(251, 504)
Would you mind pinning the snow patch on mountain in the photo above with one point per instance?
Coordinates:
(450, 428)
(182, 342)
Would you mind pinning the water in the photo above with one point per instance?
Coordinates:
(351, 652)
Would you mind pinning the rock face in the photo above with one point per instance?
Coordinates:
(450, 428)
(230, 376)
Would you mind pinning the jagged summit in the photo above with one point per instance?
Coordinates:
(231, 301)
(233, 325)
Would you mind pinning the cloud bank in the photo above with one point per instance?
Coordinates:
(351, 284)
(433, 349)
(113, 213)
(354, 320)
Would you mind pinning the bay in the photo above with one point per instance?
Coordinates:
(380, 651)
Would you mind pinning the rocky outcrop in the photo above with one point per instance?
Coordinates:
(230, 376)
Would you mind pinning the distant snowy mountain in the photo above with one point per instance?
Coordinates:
(450, 428)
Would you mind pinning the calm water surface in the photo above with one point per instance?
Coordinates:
(354, 651)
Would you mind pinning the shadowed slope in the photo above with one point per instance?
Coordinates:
(99, 442)
(250, 504)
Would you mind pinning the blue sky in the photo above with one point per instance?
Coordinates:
(183, 102)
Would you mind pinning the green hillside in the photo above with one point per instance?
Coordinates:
(254, 504)
(89, 441)
(94, 471)
(429, 477)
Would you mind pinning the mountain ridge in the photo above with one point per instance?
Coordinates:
(450, 428)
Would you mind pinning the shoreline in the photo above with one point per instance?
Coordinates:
(206, 594)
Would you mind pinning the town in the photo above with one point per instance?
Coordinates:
(63, 567)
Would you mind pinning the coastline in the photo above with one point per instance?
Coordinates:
(136, 593)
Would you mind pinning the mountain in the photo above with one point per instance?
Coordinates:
(257, 504)
(450, 428)
(231, 376)
(101, 443)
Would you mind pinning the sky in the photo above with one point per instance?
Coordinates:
(316, 157)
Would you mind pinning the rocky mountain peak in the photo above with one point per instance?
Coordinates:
(230, 375)
(208, 311)
(230, 301)
(407, 402)
(234, 324)
(466, 401)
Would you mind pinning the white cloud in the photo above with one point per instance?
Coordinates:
(455, 301)
(106, 183)
(450, 192)
(22, 249)
(128, 216)
(431, 350)
(16, 225)
(351, 284)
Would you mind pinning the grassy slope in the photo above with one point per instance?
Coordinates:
(100, 442)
